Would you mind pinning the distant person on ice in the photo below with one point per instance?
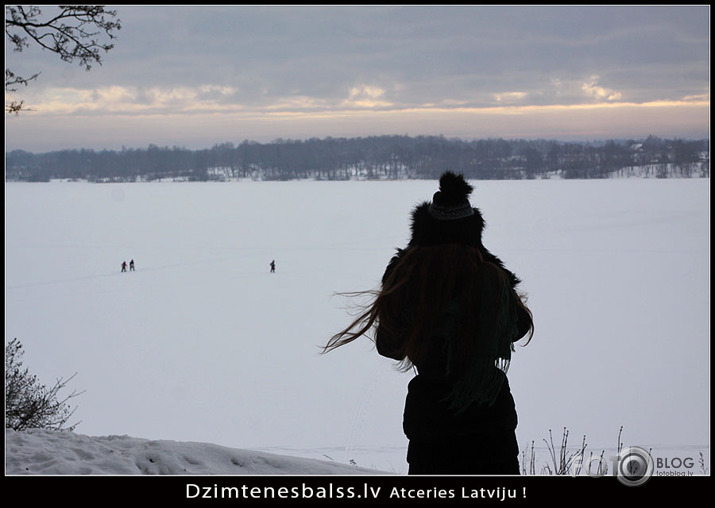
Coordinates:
(273, 266)
(124, 266)
(449, 308)
(131, 265)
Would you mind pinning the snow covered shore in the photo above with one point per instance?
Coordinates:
(44, 452)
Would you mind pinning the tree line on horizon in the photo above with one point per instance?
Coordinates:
(376, 157)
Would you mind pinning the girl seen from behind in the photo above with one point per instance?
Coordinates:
(449, 308)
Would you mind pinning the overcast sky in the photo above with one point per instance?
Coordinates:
(197, 76)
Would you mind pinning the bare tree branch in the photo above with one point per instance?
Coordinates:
(76, 32)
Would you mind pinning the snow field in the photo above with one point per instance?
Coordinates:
(203, 344)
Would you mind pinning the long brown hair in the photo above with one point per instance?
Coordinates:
(417, 293)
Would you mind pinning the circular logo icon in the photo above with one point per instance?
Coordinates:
(635, 466)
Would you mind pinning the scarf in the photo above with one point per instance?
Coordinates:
(480, 377)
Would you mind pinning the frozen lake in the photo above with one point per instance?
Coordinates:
(202, 343)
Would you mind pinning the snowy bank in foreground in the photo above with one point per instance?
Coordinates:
(44, 452)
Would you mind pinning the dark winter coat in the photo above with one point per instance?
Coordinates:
(478, 439)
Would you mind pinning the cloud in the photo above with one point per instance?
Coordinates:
(699, 98)
(575, 122)
(367, 97)
(187, 99)
(369, 64)
(591, 89)
(131, 99)
(510, 97)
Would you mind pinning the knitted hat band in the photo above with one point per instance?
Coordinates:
(451, 212)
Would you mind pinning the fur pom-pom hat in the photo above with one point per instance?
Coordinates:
(450, 217)
(451, 201)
